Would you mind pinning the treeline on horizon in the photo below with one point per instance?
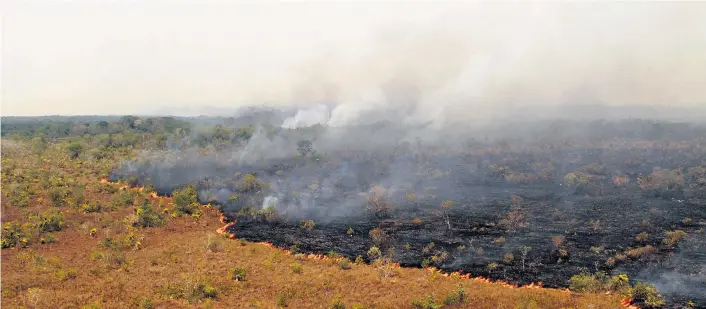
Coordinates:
(203, 130)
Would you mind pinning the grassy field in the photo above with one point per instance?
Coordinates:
(70, 241)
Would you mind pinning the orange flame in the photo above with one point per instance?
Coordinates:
(625, 302)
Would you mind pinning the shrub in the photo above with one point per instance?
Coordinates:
(122, 199)
(427, 303)
(48, 239)
(337, 303)
(586, 283)
(662, 181)
(146, 216)
(378, 236)
(250, 184)
(63, 275)
(600, 282)
(91, 207)
(374, 253)
(642, 237)
(648, 295)
(201, 291)
(377, 202)
(456, 297)
(296, 268)
(237, 273)
(673, 238)
(58, 195)
(344, 264)
(214, 244)
(13, 235)
(307, 224)
(641, 252)
(50, 221)
(185, 200)
(508, 258)
(576, 180)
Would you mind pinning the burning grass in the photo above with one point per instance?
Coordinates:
(171, 269)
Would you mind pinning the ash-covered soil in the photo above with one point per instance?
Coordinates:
(540, 210)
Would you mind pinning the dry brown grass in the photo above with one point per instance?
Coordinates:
(174, 255)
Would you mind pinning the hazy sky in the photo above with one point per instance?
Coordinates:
(117, 57)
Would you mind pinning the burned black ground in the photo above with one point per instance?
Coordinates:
(519, 211)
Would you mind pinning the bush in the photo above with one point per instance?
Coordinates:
(344, 264)
(13, 235)
(58, 195)
(48, 239)
(647, 295)
(122, 199)
(63, 275)
(214, 244)
(200, 291)
(456, 297)
(337, 303)
(428, 303)
(307, 225)
(91, 207)
(50, 221)
(185, 200)
(673, 238)
(237, 273)
(146, 216)
(600, 282)
(296, 268)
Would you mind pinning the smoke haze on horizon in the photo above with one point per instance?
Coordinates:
(421, 60)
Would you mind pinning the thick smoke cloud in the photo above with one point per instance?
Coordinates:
(485, 61)
(419, 61)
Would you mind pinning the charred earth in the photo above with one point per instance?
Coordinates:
(616, 197)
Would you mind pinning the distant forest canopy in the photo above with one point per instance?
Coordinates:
(203, 130)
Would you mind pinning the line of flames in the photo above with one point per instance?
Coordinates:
(223, 230)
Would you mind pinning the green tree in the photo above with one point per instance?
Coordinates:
(75, 149)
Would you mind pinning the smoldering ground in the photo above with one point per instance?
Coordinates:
(504, 182)
(463, 107)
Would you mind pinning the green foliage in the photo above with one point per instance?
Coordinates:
(13, 235)
(575, 180)
(185, 200)
(48, 239)
(250, 184)
(75, 149)
(237, 273)
(58, 195)
(63, 275)
(426, 303)
(344, 264)
(121, 199)
(600, 282)
(456, 297)
(49, 221)
(91, 207)
(201, 291)
(146, 216)
(647, 295)
(20, 198)
(296, 268)
(307, 224)
(337, 303)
